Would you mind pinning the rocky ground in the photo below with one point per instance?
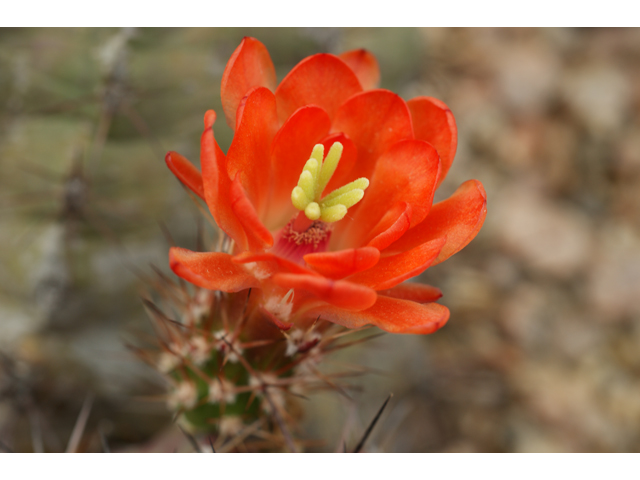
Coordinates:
(542, 352)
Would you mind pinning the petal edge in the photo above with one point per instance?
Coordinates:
(342, 263)
(365, 65)
(250, 66)
(322, 79)
(186, 172)
(433, 122)
(459, 218)
(212, 270)
(340, 293)
(390, 314)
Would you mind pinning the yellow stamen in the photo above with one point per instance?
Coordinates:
(329, 167)
(348, 199)
(315, 177)
(299, 198)
(333, 214)
(359, 184)
(313, 211)
(307, 181)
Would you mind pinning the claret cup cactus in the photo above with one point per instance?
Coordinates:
(324, 205)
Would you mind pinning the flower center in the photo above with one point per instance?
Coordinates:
(307, 195)
(295, 242)
(310, 230)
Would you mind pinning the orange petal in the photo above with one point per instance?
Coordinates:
(340, 293)
(374, 120)
(257, 234)
(250, 150)
(290, 150)
(434, 123)
(322, 80)
(281, 264)
(347, 160)
(364, 65)
(250, 66)
(214, 271)
(459, 218)
(415, 292)
(391, 226)
(186, 172)
(344, 262)
(217, 184)
(390, 314)
(407, 172)
(390, 271)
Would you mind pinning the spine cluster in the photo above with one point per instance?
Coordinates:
(232, 373)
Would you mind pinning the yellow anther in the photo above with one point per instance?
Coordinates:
(360, 184)
(329, 167)
(348, 199)
(318, 153)
(312, 211)
(307, 183)
(299, 198)
(333, 214)
(315, 177)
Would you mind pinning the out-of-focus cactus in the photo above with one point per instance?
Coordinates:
(66, 295)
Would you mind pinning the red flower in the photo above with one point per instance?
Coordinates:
(294, 241)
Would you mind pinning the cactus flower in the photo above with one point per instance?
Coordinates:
(326, 194)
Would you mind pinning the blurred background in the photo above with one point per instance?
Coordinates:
(542, 351)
